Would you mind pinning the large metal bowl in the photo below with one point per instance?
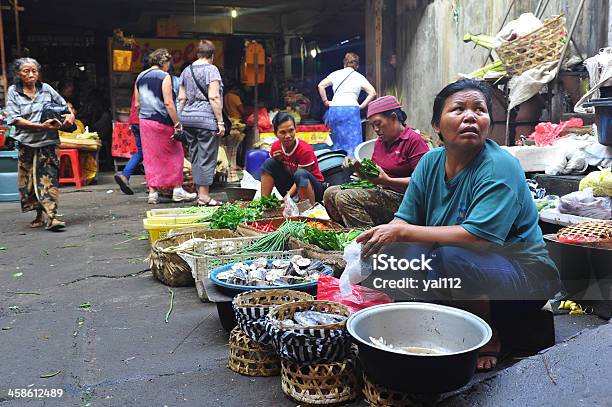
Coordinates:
(452, 334)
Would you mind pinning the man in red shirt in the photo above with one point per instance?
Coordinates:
(397, 152)
(292, 167)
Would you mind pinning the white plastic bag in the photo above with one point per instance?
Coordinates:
(525, 24)
(291, 208)
(318, 211)
(571, 162)
(353, 273)
(249, 182)
(582, 203)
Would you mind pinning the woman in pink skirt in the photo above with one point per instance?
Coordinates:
(163, 156)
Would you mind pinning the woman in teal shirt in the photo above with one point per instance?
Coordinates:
(466, 200)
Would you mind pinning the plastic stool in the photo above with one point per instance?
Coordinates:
(72, 154)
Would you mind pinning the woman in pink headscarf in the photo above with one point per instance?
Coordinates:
(397, 152)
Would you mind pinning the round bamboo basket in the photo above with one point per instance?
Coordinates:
(588, 231)
(320, 384)
(380, 396)
(250, 358)
(169, 267)
(252, 307)
(286, 311)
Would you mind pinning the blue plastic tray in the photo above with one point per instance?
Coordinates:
(242, 288)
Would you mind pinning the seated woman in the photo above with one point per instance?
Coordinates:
(397, 152)
(472, 193)
(292, 167)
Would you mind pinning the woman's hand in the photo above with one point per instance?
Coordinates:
(221, 129)
(374, 239)
(382, 179)
(69, 120)
(50, 124)
(326, 103)
(348, 163)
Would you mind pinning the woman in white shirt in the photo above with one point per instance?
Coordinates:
(343, 116)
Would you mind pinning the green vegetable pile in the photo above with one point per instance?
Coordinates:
(361, 184)
(368, 168)
(198, 210)
(275, 241)
(330, 240)
(544, 204)
(265, 202)
(229, 216)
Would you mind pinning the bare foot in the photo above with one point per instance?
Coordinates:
(488, 355)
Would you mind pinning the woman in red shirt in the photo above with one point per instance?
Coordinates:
(397, 152)
(292, 167)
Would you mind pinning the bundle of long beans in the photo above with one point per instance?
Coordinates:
(275, 241)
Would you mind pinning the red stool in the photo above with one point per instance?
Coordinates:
(72, 156)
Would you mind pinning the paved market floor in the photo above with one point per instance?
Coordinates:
(120, 352)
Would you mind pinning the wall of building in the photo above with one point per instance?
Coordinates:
(431, 53)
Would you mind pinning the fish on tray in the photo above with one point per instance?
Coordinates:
(279, 272)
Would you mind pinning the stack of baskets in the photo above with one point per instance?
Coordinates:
(534, 49)
(250, 351)
(318, 366)
(381, 396)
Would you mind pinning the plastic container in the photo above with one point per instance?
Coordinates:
(603, 119)
(8, 176)
(158, 227)
(254, 162)
(177, 212)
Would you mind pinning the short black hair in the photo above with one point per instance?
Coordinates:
(455, 87)
(399, 113)
(280, 118)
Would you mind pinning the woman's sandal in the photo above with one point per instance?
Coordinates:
(210, 202)
(55, 225)
(36, 223)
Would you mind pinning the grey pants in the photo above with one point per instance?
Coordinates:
(203, 151)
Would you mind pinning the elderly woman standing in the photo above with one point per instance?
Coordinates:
(38, 141)
(343, 116)
(163, 156)
(397, 151)
(469, 210)
(200, 109)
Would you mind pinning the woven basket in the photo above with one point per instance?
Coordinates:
(380, 396)
(588, 231)
(536, 48)
(250, 358)
(252, 307)
(170, 268)
(320, 384)
(311, 344)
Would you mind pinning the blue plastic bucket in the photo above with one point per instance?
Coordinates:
(8, 176)
(603, 119)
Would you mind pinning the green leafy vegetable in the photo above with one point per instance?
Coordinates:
(361, 184)
(329, 239)
(368, 168)
(229, 215)
(198, 210)
(265, 202)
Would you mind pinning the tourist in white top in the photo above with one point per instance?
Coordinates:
(343, 116)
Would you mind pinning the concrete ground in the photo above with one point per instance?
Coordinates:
(120, 352)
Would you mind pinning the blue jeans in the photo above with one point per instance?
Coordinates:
(283, 181)
(137, 157)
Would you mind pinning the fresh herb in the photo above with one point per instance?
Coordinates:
(330, 240)
(265, 202)
(368, 168)
(229, 215)
(198, 210)
(361, 184)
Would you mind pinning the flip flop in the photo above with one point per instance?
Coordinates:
(55, 225)
(211, 202)
(37, 223)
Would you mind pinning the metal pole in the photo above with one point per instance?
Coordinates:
(16, 9)
(556, 116)
(2, 54)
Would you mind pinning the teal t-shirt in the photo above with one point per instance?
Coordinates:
(489, 198)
